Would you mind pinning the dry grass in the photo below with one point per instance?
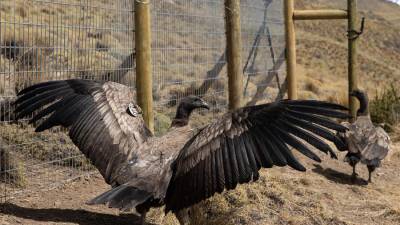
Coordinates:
(396, 133)
(385, 108)
(322, 49)
(12, 169)
(54, 51)
(322, 195)
(44, 146)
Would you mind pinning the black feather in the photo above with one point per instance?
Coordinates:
(273, 150)
(46, 111)
(227, 164)
(325, 122)
(291, 160)
(250, 152)
(66, 115)
(214, 171)
(319, 111)
(263, 150)
(41, 96)
(41, 85)
(55, 118)
(33, 104)
(201, 183)
(221, 171)
(72, 113)
(327, 134)
(76, 131)
(306, 136)
(244, 166)
(38, 91)
(315, 103)
(233, 160)
(292, 141)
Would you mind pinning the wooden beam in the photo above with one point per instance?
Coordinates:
(290, 49)
(326, 14)
(144, 81)
(352, 55)
(234, 53)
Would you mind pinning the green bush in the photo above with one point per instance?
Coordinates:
(385, 108)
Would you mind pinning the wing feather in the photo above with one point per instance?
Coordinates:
(221, 174)
(95, 114)
(231, 150)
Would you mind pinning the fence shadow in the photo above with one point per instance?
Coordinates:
(337, 176)
(78, 216)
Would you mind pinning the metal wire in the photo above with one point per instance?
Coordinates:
(44, 40)
(264, 45)
(49, 40)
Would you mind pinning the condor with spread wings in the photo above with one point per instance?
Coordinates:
(182, 167)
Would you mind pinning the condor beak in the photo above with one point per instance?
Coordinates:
(204, 105)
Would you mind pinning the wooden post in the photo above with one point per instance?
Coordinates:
(290, 49)
(234, 53)
(144, 82)
(324, 14)
(352, 55)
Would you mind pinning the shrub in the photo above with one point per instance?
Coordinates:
(385, 108)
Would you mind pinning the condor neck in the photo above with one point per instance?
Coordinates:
(363, 110)
(182, 116)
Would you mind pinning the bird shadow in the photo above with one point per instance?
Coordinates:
(77, 216)
(338, 177)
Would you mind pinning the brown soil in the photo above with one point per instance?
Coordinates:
(322, 195)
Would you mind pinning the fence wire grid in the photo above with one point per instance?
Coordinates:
(43, 40)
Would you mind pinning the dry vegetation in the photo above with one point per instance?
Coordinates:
(385, 108)
(322, 195)
(322, 49)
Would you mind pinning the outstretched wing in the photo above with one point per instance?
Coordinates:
(102, 119)
(232, 150)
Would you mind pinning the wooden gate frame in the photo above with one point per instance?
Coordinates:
(234, 43)
(291, 15)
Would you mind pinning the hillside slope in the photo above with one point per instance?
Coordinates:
(322, 49)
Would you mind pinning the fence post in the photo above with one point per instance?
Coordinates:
(352, 54)
(324, 14)
(234, 53)
(290, 49)
(144, 82)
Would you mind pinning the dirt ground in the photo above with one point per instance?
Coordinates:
(322, 195)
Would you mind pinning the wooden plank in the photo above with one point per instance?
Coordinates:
(290, 49)
(327, 14)
(234, 53)
(352, 55)
(144, 81)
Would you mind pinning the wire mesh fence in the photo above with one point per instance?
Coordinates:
(263, 50)
(48, 40)
(44, 40)
(189, 54)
